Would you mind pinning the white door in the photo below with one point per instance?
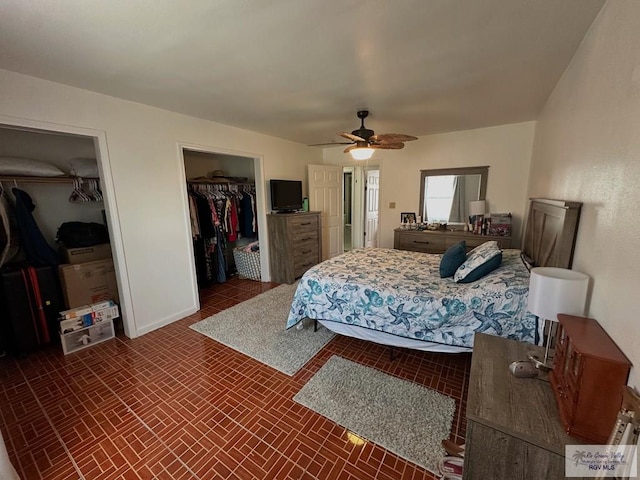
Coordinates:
(372, 198)
(325, 195)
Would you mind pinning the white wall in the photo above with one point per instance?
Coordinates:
(200, 164)
(587, 149)
(506, 149)
(143, 151)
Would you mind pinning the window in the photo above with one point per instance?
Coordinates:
(438, 195)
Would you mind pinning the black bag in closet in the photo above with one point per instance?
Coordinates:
(81, 234)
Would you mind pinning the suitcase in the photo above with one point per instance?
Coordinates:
(30, 301)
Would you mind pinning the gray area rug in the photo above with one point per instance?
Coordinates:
(257, 329)
(406, 418)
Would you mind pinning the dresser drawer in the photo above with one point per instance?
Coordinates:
(474, 241)
(302, 263)
(417, 242)
(306, 248)
(306, 223)
(304, 237)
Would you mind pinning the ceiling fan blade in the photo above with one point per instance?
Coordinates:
(348, 149)
(387, 146)
(352, 137)
(392, 138)
(328, 144)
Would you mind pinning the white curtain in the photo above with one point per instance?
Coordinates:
(458, 202)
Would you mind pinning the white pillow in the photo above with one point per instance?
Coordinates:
(84, 167)
(28, 167)
(479, 261)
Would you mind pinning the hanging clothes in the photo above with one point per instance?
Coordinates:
(247, 215)
(217, 218)
(39, 252)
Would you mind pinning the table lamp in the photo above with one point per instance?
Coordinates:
(552, 291)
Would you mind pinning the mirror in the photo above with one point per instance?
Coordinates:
(445, 193)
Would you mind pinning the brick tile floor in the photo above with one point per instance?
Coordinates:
(174, 404)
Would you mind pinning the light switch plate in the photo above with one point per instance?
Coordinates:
(392, 204)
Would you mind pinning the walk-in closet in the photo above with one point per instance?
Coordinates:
(223, 210)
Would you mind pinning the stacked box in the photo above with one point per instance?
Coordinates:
(87, 325)
(87, 283)
(500, 224)
(87, 315)
(85, 254)
(87, 337)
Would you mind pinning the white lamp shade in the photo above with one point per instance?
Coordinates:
(557, 290)
(362, 153)
(477, 207)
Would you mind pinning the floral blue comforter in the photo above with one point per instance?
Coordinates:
(401, 293)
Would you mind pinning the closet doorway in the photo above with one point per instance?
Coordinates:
(61, 198)
(224, 205)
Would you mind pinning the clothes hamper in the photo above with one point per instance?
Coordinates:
(247, 264)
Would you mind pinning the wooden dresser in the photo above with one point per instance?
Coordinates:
(437, 241)
(588, 377)
(513, 427)
(295, 244)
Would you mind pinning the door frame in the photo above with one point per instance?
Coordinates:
(261, 211)
(364, 202)
(110, 205)
(350, 170)
(359, 205)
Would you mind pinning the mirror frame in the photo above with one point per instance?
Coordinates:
(482, 171)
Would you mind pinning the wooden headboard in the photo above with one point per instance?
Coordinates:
(550, 235)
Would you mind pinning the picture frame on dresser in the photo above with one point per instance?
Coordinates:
(408, 217)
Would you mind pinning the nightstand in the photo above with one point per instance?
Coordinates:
(513, 427)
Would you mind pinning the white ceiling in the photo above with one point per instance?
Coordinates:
(299, 69)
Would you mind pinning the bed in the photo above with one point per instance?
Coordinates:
(397, 298)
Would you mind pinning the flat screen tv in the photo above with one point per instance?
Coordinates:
(286, 195)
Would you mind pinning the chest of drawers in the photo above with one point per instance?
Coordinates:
(436, 241)
(588, 377)
(294, 244)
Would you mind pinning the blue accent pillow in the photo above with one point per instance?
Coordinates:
(480, 261)
(452, 259)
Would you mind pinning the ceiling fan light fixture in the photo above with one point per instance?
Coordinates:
(362, 153)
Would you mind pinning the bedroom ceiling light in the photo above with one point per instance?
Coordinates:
(552, 291)
(363, 153)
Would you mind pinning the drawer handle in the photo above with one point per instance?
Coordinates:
(420, 241)
(305, 223)
(308, 264)
(305, 239)
(307, 251)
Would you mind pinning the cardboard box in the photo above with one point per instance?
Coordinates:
(85, 254)
(87, 283)
(84, 309)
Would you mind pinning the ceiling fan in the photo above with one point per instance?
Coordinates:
(364, 141)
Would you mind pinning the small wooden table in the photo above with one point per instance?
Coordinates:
(513, 426)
